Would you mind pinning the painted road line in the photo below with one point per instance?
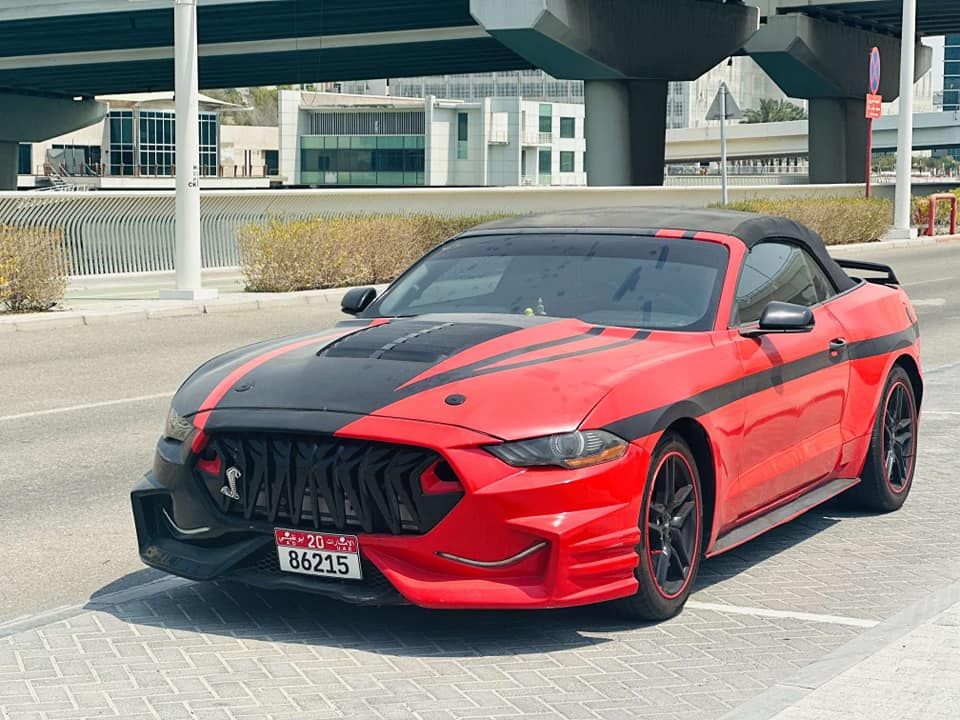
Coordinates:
(940, 412)
(85, 406)
(782, 614)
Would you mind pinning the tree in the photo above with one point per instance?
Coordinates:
(771, 110)
(258, 105)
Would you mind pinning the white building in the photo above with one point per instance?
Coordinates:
(365, 140)
(133, 147)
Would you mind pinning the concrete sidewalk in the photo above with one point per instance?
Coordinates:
(907, 667)
(97, 301)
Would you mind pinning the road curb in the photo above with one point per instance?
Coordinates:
(157, 309)
(921, 241)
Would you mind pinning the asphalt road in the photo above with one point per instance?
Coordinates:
(81, 409)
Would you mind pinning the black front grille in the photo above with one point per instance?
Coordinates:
(326, 483)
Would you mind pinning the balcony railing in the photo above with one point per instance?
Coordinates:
(532, 137)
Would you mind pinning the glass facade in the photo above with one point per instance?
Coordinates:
(121, 142)
(25, 159)
(951, 73)
(531, 84)
(151, 150)
(463, 134)
(361, 160)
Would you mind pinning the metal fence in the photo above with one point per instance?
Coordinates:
(133, 232)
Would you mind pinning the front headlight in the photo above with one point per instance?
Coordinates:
(178, 428)
(569, 450)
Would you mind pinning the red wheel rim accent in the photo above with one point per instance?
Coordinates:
(679, 544)
(898, 438)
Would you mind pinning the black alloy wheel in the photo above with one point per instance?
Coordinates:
(671, 533)
(891, 457)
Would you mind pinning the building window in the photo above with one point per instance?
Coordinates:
(271, 159)
(157, 143)
(463, 133)
(121, 142)
(567, 161)
(546, 118)
(545, 162)
(568, 127)
(25, 159)
(209, 145)
(359, 160)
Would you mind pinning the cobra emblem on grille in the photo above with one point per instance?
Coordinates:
(230, 489)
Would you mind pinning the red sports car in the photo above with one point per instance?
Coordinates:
(543, 412)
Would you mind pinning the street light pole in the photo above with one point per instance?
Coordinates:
(188, 262)
(901, 218)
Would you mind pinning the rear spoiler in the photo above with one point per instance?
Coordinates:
(890, 277)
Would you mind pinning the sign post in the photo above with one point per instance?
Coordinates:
(723, 108)
(874, 109)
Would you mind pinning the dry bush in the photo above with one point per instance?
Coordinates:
(282, 255)
(32, 269)
(838, 220)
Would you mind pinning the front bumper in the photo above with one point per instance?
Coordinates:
(519, 538)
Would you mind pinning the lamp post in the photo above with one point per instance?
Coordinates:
(187, 256)
(901, 217)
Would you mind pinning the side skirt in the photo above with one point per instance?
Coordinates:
(781, 515)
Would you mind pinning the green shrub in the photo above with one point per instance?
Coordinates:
(32, 268)
(282, 255)
(838, 220)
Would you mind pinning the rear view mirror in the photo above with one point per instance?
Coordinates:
(356, 300)
(783, 317)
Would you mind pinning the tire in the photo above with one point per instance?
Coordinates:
(669, 552)
(888, 472)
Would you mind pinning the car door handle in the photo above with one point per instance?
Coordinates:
(837, 345)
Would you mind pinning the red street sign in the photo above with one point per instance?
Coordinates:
(874, 71)
(874, 106)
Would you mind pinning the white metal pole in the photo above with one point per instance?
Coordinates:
(186, 88)
(901, 220)
(723, 145)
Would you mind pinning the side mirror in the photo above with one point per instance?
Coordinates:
(783, 317)
(356, 300)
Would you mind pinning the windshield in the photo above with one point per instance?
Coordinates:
(629, 280)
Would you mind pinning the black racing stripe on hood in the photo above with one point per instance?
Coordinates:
(369, 369)
(475, 368)
(657, 419)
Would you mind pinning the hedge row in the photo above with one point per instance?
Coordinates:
(838, 220)
(32, 268)
(326, 252)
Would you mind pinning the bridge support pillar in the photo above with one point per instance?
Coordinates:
(625, 131)
(827, 63)
(838, 140)
(626, 52)
(9, 162)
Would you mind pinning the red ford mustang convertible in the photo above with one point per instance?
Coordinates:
(544, 412)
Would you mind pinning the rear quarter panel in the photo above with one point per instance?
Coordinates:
(881, 326)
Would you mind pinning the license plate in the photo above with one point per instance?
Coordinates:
(319, 554)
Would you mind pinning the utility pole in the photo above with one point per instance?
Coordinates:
(724, 195)
(187, 256)
(901, 217)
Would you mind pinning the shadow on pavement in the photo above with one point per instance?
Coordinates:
(243, 612)
(772, 543)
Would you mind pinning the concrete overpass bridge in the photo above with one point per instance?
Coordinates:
(55, 55)
(792, 139)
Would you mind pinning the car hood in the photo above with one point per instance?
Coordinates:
(506, 376)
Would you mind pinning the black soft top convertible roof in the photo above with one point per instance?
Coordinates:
(748, 227)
